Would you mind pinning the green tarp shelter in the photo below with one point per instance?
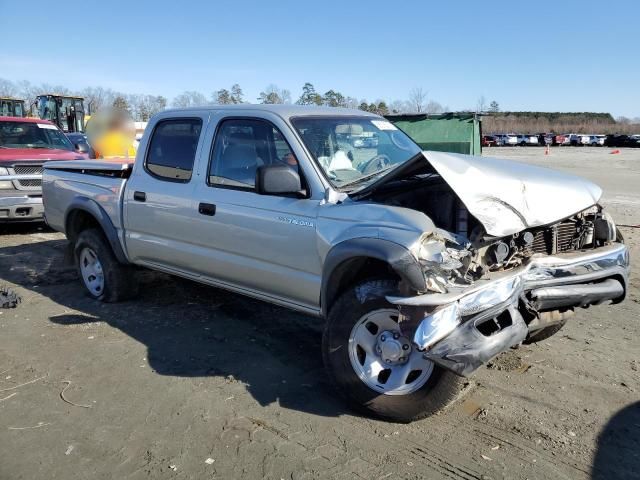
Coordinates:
(444, 132)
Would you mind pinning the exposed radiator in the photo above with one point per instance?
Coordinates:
(555, 239)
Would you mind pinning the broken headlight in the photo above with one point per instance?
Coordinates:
(444, 261)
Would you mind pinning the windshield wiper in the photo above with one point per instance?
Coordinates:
(367, 177)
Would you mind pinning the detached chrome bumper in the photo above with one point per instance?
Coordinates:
(472, 325)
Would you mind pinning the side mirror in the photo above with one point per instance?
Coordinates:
(278, 180)
(82, 148)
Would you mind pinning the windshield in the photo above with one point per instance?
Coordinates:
(354, 151)
(32, 135)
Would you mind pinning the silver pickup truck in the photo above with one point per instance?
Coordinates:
(425, 265)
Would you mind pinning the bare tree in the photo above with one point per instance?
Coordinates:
(351, 102)
(190, 98)
(399, 106)
(27, 91)
(272, 94)
(433, 107)
(143, 107)
(97, 98)
(481, 106)
(8, 88)
(417, 99)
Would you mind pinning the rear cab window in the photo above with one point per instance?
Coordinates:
(172, 149)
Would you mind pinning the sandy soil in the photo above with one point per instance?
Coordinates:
(193, 382)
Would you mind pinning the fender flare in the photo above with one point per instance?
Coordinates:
(94, 209)
(397, 256)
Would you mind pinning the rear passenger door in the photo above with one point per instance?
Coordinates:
(159, 203)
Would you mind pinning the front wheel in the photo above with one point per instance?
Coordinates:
(374, 365)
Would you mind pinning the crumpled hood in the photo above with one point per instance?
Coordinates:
(507, 196)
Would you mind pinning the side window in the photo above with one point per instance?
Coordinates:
(172, 149)
(243, 145)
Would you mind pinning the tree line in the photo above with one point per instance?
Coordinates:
(417, 101)
(143, 106)
(558, 122)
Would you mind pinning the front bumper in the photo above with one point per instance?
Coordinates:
(472, 325)
(21, 208)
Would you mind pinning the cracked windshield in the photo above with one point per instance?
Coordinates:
(354, 152)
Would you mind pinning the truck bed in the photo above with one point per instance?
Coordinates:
(100, 181)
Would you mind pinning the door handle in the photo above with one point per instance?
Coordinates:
(207, 209)
(140, 196)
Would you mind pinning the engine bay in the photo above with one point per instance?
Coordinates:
(470, 252)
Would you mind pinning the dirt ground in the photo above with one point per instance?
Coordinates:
(193, 382)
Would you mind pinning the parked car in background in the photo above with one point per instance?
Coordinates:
(561, 140)
(584, 140)
(25, 145)
(527, 140)
(81, 143)
(596, 140)
(370, 141)
(574, 139)
(365, 141)
(261, 200)
(489, 140)
(628, 141)
(546, 139)
(507, 139)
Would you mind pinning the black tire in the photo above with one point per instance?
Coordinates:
(120, 281)
(440, 389)
(544, 333)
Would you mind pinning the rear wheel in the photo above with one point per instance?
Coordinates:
(378, 369)
(103, 277)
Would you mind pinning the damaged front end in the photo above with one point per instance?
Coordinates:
(488, 294)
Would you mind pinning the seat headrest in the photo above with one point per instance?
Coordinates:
(240, 156)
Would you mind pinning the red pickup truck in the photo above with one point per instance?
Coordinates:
(25, 145)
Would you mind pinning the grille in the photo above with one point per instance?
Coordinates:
(28, 170)
(30, 183)
(555, 239)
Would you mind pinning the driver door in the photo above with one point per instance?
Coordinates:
(264, 244)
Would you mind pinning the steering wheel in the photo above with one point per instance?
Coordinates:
(376, 163)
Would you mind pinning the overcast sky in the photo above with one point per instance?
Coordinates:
(543, 55)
